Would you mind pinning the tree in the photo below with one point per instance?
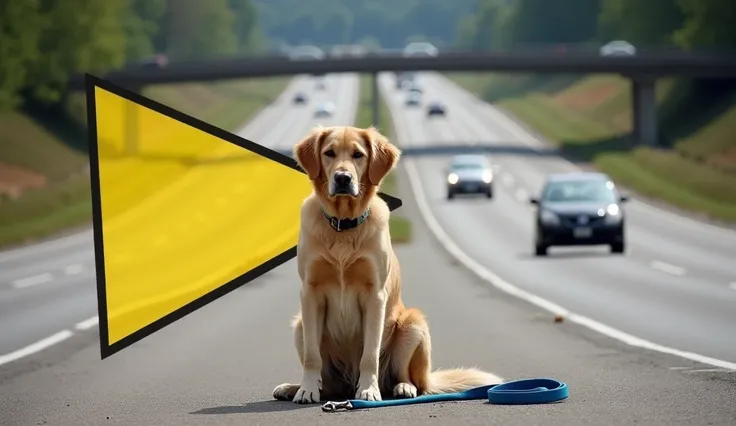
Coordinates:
(141, 26)
(561, 21)
(21, 28)
(245, 25)
(196, 29)
(708, 24)
(650, 22)
(77, 35)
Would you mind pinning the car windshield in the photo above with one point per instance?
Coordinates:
(468, 166)
(592, 190)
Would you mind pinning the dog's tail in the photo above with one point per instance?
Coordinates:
(458, 380)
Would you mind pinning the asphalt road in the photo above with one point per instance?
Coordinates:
(50, 286)
(674, 285)
(220, 364)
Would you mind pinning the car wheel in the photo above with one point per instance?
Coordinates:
(489, 193)
(450, 195)
(540, 250)
(618, 247)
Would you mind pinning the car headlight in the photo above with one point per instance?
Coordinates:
(549, 218)
(613, 214)
(453, 178)
(487, 176)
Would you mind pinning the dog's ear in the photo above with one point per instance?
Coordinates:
(306, 152)
(384, 155)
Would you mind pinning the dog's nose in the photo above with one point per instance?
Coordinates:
(342, 178)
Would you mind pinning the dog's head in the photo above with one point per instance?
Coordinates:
(346, 164)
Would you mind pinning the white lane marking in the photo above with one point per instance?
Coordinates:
(667, 268)
(73, 269)
(732, 285)
(87, 324)
(707, 370)
(82, 239)
(521, 195)
(501, 284)
(36, 347)
(32, 280)
(507, 179)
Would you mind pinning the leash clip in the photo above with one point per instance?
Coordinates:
(337, 406)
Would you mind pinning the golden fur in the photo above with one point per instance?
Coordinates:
(353, 335)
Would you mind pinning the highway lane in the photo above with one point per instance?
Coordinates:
(671, 287)
(50, 286)
(219, 365)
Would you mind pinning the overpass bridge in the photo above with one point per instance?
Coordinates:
(642, 70)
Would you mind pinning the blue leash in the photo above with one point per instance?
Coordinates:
(525, 391)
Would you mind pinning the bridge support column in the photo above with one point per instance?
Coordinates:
(375, 100)
(644, 111)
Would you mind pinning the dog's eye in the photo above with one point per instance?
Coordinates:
(330, 153)
(357, 154)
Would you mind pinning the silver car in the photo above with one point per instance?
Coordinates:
(469, 174)
(324, 109)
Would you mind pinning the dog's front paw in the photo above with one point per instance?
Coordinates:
(370, 393)
(306, 396)
(405, 390)
(285, 391)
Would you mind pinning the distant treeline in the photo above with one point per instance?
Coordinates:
(42, 42)
(688, 24)
(385, 23)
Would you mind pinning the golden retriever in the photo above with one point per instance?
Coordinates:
(353, 336)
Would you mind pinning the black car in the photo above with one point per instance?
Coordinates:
(435, 108)
(579, 209)
(300, 98)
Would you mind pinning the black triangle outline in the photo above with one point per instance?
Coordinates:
(107, 349)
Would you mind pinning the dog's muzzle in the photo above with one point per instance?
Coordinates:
(342, 184)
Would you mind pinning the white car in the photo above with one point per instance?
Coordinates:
(306, 53)
(618, 48)
(324, 109)
(421, 48)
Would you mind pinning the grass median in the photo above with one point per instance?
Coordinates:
(44, 188)
(590, 120)
(400, 226)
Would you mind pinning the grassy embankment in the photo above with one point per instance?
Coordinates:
(43, 185)
(400, 225)
(590, 119)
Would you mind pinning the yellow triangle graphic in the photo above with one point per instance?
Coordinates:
(183, 212)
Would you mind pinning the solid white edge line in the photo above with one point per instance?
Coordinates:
(87, 324)
(501, 284)
(36, 347)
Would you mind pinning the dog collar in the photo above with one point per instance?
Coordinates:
(340, 225)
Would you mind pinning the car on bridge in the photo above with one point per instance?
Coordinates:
(324, 109)
(436, 108)
(469, 174)
(579, 209)
(420, 48)
(306, 53)
(618, 48)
